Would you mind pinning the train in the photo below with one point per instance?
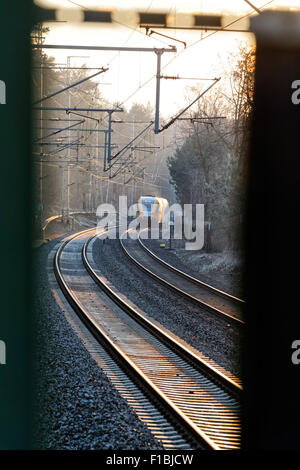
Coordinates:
(152, 207)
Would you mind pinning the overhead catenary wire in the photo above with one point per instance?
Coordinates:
(187, 107)
(176, 55)
(187, 48)
(79, 82)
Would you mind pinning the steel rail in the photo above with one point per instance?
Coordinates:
(220, 313)
(196, 435)
(196, 281)
(211, 373)
(215, 374)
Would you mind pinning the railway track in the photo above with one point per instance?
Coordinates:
(197, 404)
(205, 296)
(196, 281)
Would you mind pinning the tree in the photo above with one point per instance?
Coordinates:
(211, 165)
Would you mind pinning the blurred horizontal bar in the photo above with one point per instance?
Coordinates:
(149, 19)
(104, 48)
(101, 110)
(199, 28)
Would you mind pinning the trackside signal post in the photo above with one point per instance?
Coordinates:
(272, 378)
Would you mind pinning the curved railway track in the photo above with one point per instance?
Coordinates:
(196, 281)
(205, 296)
(196, 397)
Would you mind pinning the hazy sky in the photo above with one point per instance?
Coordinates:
(128, 71)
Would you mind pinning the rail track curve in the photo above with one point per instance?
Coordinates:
(202, 401)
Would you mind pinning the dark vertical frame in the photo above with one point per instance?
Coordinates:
(15, 321)
(272, 381)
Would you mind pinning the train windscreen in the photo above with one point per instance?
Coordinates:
(148, 206)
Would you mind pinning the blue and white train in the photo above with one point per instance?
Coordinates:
(152, 206)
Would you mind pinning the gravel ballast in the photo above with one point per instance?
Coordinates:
(76, 406)
(210, 335)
